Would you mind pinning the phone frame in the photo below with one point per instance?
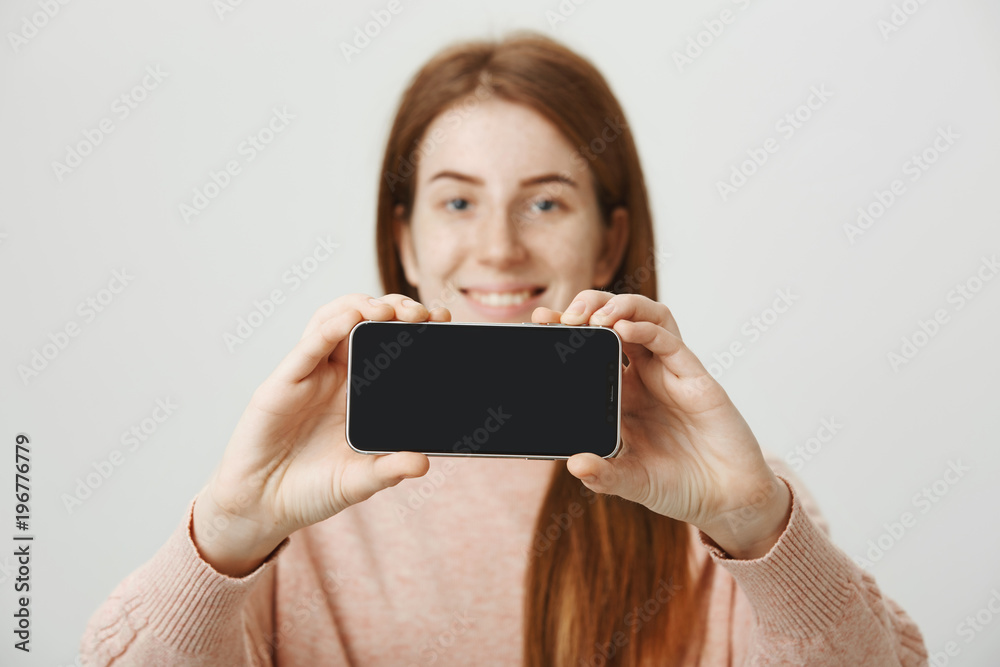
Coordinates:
(618, 401)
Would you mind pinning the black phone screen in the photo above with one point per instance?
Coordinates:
(524, 390)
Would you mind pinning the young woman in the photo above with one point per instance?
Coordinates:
(511, 190)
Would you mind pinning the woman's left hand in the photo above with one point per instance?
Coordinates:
(686, 451)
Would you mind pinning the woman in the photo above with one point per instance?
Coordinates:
(511, 189)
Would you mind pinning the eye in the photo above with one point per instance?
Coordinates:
(544, 205)
(460, 204)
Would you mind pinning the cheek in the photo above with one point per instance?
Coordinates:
(569, 254)
(438, 251)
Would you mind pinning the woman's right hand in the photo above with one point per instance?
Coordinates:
(288, 464)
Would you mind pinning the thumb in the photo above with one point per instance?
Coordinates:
(596, 473)
(380, 471)
(390, 469)
(610, 476)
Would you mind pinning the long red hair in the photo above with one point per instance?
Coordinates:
(609, 582)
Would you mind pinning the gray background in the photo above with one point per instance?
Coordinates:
(826, 357)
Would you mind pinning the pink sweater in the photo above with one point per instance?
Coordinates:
(431, 571)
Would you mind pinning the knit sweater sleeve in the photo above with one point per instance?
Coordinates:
(177, 610)
(812, 603)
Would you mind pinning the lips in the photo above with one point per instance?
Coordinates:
(502, 301)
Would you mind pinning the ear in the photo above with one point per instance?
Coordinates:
(613, 251)
(403, 235)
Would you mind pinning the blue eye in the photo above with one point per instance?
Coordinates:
(464, 207)
(545, 205)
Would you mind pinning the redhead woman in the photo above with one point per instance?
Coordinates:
(511, 191)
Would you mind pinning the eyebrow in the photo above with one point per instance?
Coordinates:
(534, 180)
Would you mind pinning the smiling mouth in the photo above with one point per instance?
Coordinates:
(502, 299)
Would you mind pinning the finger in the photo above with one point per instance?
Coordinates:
(316, 347)
(671, 350)
(440, 314)
(583, 306)
(543, 315)
(406, 309)
(360, 302)
(635, 352)
(636, 308)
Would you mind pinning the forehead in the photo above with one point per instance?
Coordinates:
(496, 140)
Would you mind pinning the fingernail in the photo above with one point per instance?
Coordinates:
(608, 308)
(576, 307)
(375, 302)
(409, 302)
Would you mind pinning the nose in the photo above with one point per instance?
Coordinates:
(498, 241)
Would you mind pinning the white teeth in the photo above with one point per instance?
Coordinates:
(500, 299)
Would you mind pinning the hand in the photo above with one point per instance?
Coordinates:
(686, 451)
(288, 464)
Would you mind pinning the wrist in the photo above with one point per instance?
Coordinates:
(752, 531)
(228, 543)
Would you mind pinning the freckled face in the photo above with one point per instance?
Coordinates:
(503, 219)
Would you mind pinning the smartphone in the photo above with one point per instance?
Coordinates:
(532, 391)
